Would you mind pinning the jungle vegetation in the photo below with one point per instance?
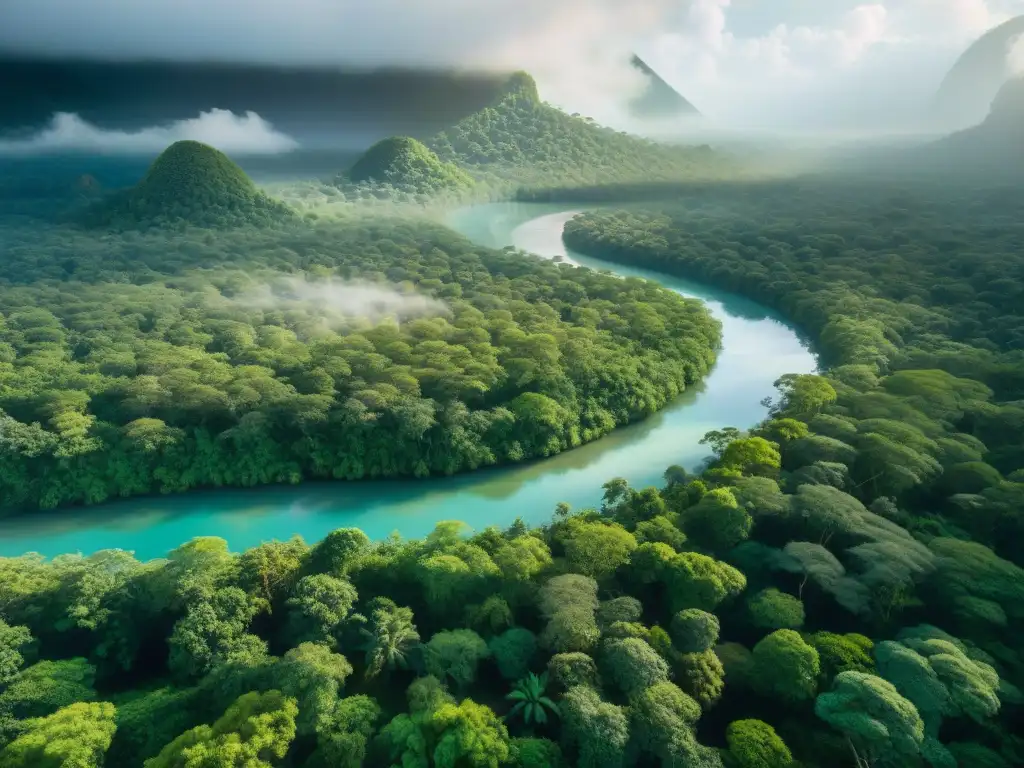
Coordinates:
(840, 586)
(173, 357)
(517, 143)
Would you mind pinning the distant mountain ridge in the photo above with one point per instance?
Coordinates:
(967, 92)
(659, 100)
(997, 144)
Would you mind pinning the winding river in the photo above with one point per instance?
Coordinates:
(757, 348)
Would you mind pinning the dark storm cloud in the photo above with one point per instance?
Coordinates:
(571, 46)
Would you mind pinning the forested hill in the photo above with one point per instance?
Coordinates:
(522, 139)
(404, 163)
(189, 184)
(518, 145)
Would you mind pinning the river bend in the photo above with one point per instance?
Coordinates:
(757, 348)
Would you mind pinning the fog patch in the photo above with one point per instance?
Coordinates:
(1015, 57)
(247, 134)
(338, 301)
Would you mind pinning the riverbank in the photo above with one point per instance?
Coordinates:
(757, 348)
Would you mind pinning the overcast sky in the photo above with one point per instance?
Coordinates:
(767, 63)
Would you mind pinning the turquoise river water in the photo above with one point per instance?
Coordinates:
(757, 348)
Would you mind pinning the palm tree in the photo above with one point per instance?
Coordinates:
(529, 696)
(389, 638)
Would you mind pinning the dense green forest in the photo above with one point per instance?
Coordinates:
(165, 358)
(756, 616)
(841, 586)
(913, 296)
(402, 161)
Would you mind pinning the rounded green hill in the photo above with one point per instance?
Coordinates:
(193, 183)
(403, 161)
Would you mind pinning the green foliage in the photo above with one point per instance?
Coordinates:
(313, 675)
(521, 140)
(569, 602)
(255, 732)
(598, 731)
(271, 569)
(319, 604)
(660, 529)
(751, 456)
(530, 700)
(455, 654)
(190, 183)
(785, 666)
(469, 734)
(940, 680)
(569, 670)
(887, 486)
(147, 721)
(632, 665)
(697, 581)
(406, 163)
(701, 675)
(211, 630)
(537, 753)
(344, 735)
(15, 642)
(870, 712)
(717, 521)
(619, 609)
(843, 653)
(514, 651)
(45, 687)
(694, 630)
(390, 635)
(754, 744)
(73, 737)
(596, 549)
(976, 755)
(491, 616)
(351, 348)
(338, 551)
(772, 609)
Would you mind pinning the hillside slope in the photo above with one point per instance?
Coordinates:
(659, 99)
(997, 144)
(189, 183)
(522, 139)
(406, 163)
(967, 92)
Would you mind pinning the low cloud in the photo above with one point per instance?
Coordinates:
(1015, 57)
(339, 301)
(247, 134)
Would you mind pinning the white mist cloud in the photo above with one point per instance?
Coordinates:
(857, 65)
(337, 301)
(247, 134)
(1015, 57)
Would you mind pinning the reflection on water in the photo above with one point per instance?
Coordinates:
(757, 348)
